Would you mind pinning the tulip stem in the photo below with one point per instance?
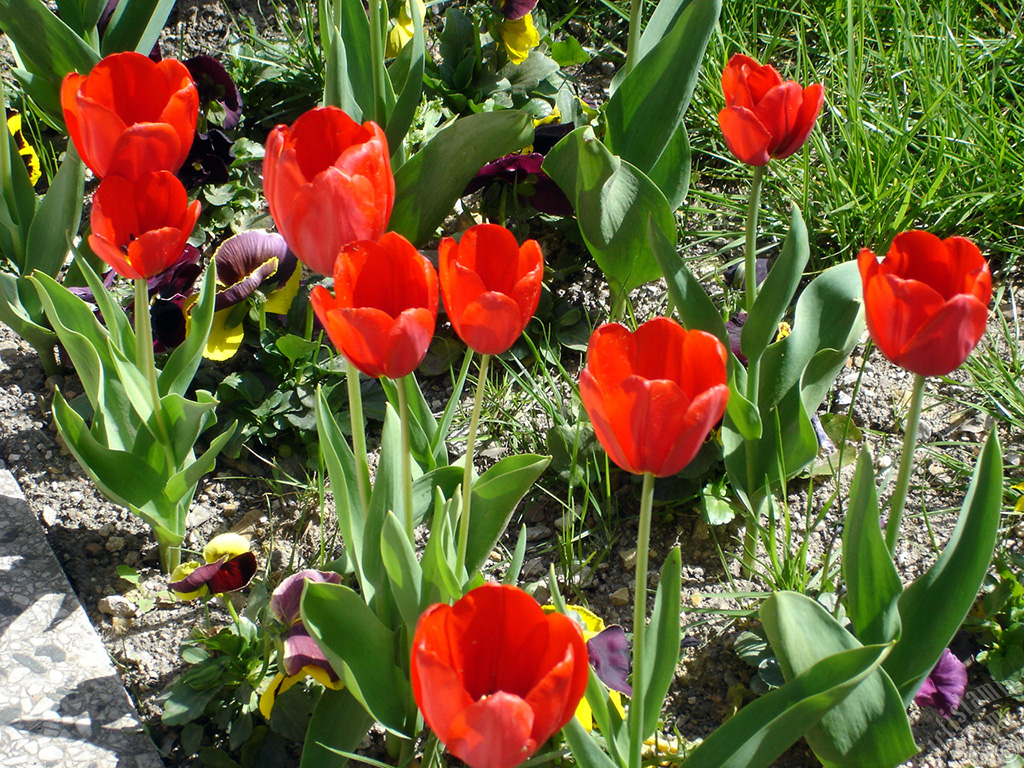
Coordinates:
(643, 546)
(146, 361)
(403, 413)
(355, 411)
(467, 471)
(753, 363)
(376, 62)
(898, 501)
(633, 38)
(750, 248)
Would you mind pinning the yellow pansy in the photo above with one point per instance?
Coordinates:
(520, 37)
(26, 150)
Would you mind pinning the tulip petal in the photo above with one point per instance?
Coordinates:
(746, 138)
(604, 408)
(493, 732)
(490, 324)
(438, 690)
(942, 344)
(810, 107)
(777, 111)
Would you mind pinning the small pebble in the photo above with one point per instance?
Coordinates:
(116, 605)
(620, 597)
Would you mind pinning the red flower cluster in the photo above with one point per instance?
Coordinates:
(495, 676)
(132, 121)
(765, 117)
(927, 301)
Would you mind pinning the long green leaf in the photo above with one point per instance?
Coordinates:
(406, 76)
(933, 607)
(690, 301)
(136, 25)
(765, 728)
(662, 642)
(353, 639)
(339, 722)
(648, 106)
(613, 202)
(869, 729)
(341, 468)
(585, 750)
(403, 570)
(495, 496)
(181, 366)
(872, 585)
(427, 186)
(775, 296)
(47, 46)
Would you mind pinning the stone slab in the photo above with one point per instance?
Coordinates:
(62, 702)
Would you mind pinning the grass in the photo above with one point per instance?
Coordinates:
(920, 127)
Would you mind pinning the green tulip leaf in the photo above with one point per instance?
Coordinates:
(341, 468)
(671, 173)
(386, 495)
(406, 77)
(403, 570)
(614, 202)
(136, 26)
(584, 748)
(646, 110)
(690, 301)
(872, 585)
(869, 729)
(354, 640)
(338, 724)
(427, 186)
(495, 496)
(776, 294)
(21, 310)
(662, 641)
(934, 606)
(184, 361)
(427, 451)
(756, 735)
(48, 47)
(56, 222)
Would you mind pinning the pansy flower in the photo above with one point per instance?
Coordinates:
(608, 650)
(252, 266)
(301, 657)
(229, 566)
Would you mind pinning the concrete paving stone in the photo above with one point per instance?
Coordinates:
(61, 700)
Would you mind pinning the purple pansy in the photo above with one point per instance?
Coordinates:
(512, 10)
(609, 656)
(300, 650)
(248, 261)
(945, 685)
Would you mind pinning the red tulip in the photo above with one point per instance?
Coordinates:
(130, 115)
(490, 285)
(328, 182)
(140, 228)
(653, 395)
(765, 117)
(927, 301)
(495, 676)
(384, 309)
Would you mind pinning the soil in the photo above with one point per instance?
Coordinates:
(143, 630)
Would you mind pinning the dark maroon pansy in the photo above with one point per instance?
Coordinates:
(224, 575)
(208, 161)
(609, 656)
(523, 174)
(215, 85)
(515, 9)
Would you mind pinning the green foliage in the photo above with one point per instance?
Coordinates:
(999, 618)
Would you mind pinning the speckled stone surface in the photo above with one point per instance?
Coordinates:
(61, 700)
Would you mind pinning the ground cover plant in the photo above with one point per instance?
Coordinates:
(395, 625)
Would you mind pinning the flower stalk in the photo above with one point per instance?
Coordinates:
(643, 546)
(467, 472)
(899, 496)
